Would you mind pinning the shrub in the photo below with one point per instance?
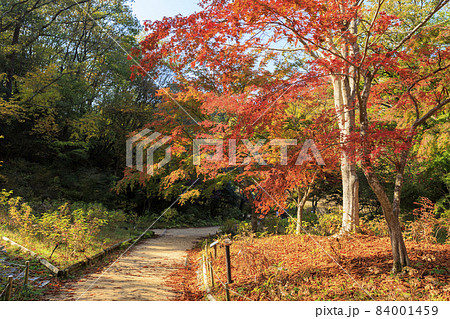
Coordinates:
(82, 230)
(283, 226)
(20, 216)
(171, 216)
(441, 231)
(274, 225)
(425, 227)
(230, 226)
(444, 221)
(191, 215)
(291, 228)
(270, 224)
(72, 229)
(75, 229)
(376, 226)
(53, 227)
(244, 228)
(4, 195)
(292, 225)
(329, 223)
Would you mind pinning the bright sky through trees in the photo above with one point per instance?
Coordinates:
(157, 9)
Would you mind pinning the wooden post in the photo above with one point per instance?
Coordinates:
(27, 273)
(214, 244)
(205, 275)
(9, 289)
(207, 261)
(211, 272)
(227, 292)
(227, 243)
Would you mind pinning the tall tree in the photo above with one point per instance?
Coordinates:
(342, 40)
(66, 99)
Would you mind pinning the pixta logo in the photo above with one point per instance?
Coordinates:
(253, 151)
(141, 141)
(150, 143)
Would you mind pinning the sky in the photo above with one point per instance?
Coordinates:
(157, 9)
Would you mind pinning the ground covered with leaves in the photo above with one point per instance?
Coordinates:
(184, 280)
(357, 267)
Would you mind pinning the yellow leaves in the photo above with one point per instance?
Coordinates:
(173, 177)
(190, 195)
(46, 126)
(8, 109)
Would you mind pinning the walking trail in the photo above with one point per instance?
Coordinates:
(140, 274)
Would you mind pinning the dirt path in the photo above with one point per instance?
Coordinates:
(140, 274)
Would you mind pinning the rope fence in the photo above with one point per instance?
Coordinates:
(7, 292)
(210, 275)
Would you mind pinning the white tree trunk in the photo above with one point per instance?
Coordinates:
(350, 196)
(298, 229)
(350, 185)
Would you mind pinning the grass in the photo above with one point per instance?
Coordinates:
(109, 234)
(15, 256)
(290, 267)
(62, 257)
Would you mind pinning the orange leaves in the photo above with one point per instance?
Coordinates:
(224, 32)
(184, 280)
(174, 176)
(384, 22)
(296, 268)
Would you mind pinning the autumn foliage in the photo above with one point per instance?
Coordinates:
(353, 76)
(306, 268)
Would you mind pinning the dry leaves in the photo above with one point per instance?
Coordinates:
(303, 268)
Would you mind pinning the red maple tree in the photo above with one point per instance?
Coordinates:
(255, 56)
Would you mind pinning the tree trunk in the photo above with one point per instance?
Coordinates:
(298, 229)
(350, 196)
(254, 221)
(350, 184)
(301, 201)
(391, 211)
(253, 215)
(11, 62)
(399, 253)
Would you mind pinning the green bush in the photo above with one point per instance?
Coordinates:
(283, 226)
(330, 223)
(292, 225)
(274, 225)
(441, 232)
(244, 228)
(376, 226)
(83, 229)
(74, 229)
(170, 216)
(20, 216)
(191, 215)
(230, 226)
(54, 227)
